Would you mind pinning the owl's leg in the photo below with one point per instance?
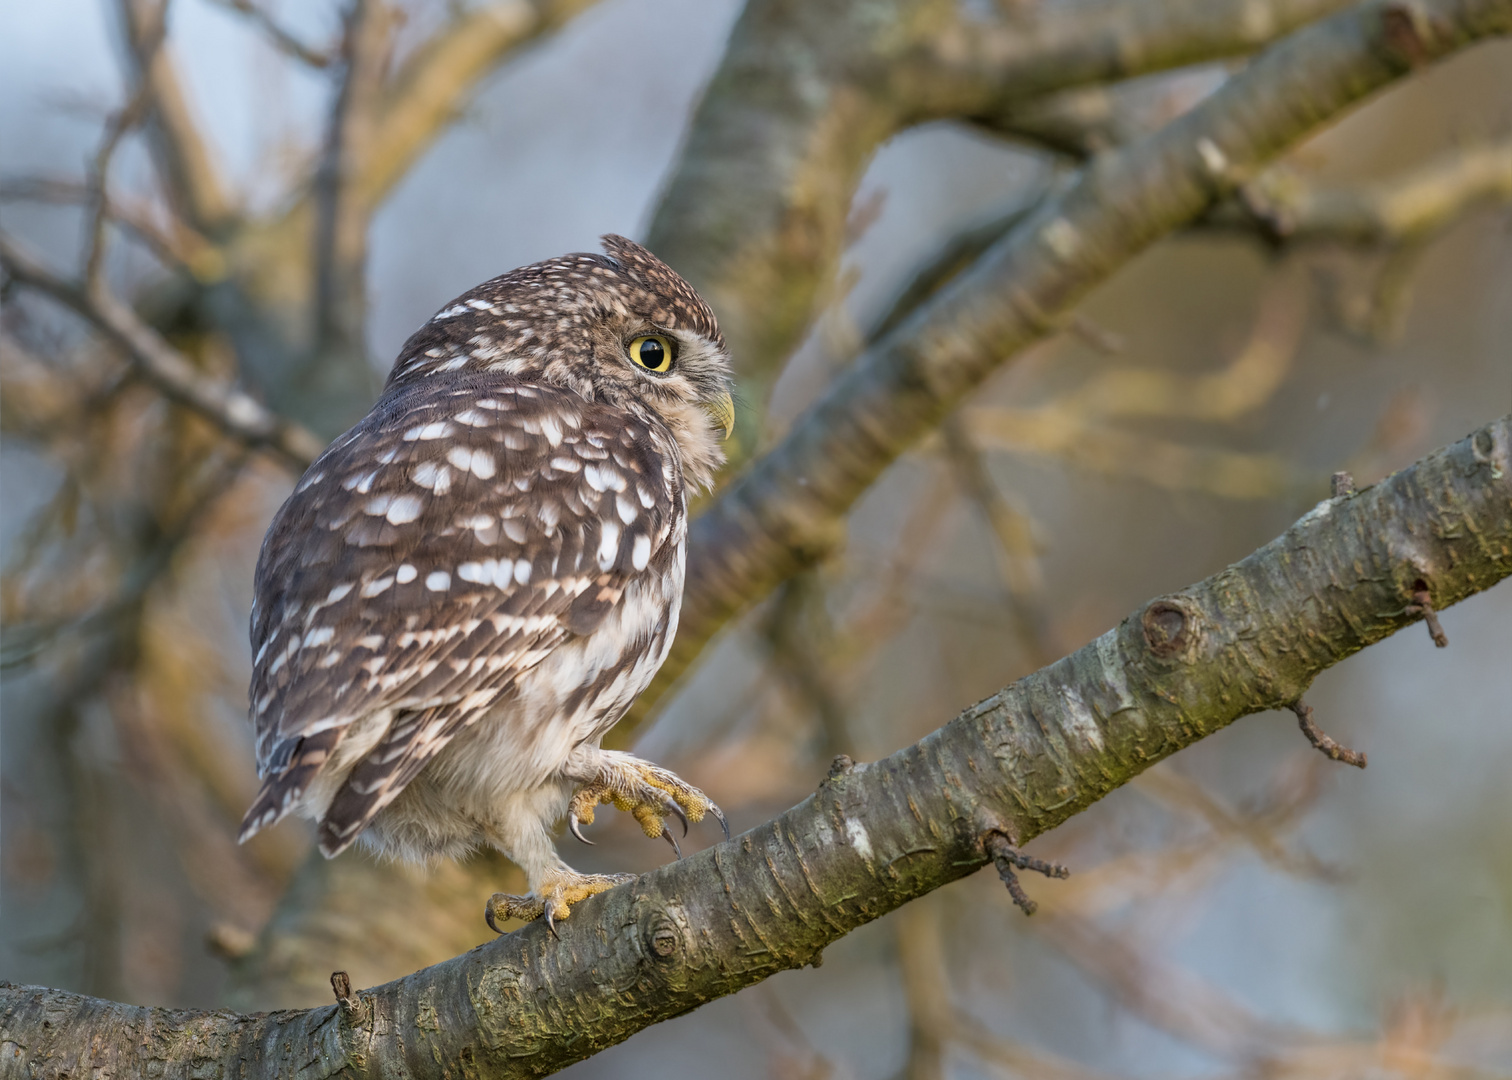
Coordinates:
(522, 833)
(648, 792)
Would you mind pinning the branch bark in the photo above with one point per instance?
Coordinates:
(1250, 638)
(788, 508)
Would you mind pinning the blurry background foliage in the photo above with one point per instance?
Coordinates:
(284, 191)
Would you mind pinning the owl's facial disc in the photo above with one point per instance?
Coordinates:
(685, 366)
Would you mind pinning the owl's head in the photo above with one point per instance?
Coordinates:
(622, 328)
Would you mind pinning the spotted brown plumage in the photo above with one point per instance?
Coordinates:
(470, 587)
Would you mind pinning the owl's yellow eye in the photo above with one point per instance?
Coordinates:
(654, 353)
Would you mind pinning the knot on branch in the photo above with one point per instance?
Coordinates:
(663, 941)
(1170, 628)
(351, 1006)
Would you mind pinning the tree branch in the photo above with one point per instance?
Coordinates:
(788, 508)
(281, 39)
(430, 87)
(1398, 210)
(1250, 638)
(341, 214)
(189, 171)
(754, 213)
(239, 415)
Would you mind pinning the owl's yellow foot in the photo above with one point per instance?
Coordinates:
(649, 793)
(553, 897)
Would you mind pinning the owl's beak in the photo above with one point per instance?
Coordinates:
(722, 411)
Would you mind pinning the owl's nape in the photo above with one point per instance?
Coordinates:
(467, 590)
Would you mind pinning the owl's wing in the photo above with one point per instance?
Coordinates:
(436, 551)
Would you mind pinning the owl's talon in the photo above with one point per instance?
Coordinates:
(575, 827)
(669, 838)
(552, 898)
(650, 794)
(672, 808)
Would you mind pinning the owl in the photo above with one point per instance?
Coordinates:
(469, 588)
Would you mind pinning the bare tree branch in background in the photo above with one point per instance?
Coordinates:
(754, 216)
(874, 837)
(788, 508)
(238, 414)
(191, 176)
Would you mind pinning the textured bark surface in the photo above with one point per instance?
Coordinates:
(1250, 638)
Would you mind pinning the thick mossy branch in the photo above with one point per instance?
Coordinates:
(1251, 637)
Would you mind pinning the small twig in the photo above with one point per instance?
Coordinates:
(97, 185)
(281, 39)
(1320, 739)
(1008, 858)
(1342, 485)
(174, 244)
(1422, 604)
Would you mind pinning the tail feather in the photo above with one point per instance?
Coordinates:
(375, 781)
(282, 790)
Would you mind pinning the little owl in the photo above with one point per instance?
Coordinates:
(470, 587)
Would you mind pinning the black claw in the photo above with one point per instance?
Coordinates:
(719, 814)
(488, 917)
(669, 838)
(550, 917)
(673, 808)
(572, 827)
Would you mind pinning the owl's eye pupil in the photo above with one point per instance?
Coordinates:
(651, 353)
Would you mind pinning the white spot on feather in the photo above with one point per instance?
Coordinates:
(403, 510)
(440, 429)
(438, 581)
(608, 545)
(406, 574)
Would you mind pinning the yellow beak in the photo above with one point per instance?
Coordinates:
(722, 411)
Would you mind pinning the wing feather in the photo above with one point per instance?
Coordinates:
(445, 545)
